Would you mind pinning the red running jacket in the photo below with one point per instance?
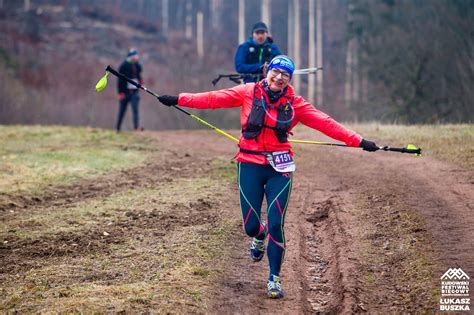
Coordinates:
(242, 95)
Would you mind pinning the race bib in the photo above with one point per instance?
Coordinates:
(281, 161)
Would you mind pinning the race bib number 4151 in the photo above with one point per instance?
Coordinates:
(281, 161)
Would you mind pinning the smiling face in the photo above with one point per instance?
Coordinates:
(277, 79)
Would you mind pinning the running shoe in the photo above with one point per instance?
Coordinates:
(274, 290)
(257, 247)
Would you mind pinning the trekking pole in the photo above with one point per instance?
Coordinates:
(138, 85)
(234, 77)
(307, 70)
(237, 77)
(410, 148)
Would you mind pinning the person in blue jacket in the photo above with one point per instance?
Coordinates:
(254, 53)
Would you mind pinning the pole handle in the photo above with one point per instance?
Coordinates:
(402, 150)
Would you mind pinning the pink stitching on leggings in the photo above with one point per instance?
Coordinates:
(279, 207)
(248, 216)
(278, 244)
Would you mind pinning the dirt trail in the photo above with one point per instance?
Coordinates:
(355, 225)
(324, 269)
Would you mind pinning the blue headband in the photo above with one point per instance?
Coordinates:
(284, 63)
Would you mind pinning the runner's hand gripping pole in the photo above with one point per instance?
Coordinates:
(410, 149)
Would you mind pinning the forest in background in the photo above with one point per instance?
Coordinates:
(391, 61)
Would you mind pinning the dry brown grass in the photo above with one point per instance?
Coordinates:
(449, 143)
(154, 248)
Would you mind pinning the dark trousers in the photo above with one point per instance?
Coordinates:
(134, 99)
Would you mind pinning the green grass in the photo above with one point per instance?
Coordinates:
(33, 157)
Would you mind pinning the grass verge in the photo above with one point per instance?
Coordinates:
(397, 255)
(449, 143)
(33, 157)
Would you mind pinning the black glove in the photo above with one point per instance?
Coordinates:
(168, 100)
(368, 145)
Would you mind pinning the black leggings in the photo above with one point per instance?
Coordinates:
(255, 181)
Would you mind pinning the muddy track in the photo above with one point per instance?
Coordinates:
(343, 251)
(22, 254)
(325, 266)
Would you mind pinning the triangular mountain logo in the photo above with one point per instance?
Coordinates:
(455, 273)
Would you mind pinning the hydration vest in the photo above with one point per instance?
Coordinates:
(256, 119)
(259, 53)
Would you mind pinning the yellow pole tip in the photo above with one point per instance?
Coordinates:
(413, 147)
(102, 82)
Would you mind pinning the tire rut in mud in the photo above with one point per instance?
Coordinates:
(317, 274)
(323, 268)
(159, 168)
(327, 266)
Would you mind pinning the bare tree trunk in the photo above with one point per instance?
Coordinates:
(319, 54)
(311, 50)
(215, 13)
(139, 6)
(241, 21)
(355, 74)
(348, 83)
(297, 44)
(164, 17)
(291, 23)
(26, 5)
(266, 13)
(200, 37)
(352, 86)
(364, 86)
(189, 20)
